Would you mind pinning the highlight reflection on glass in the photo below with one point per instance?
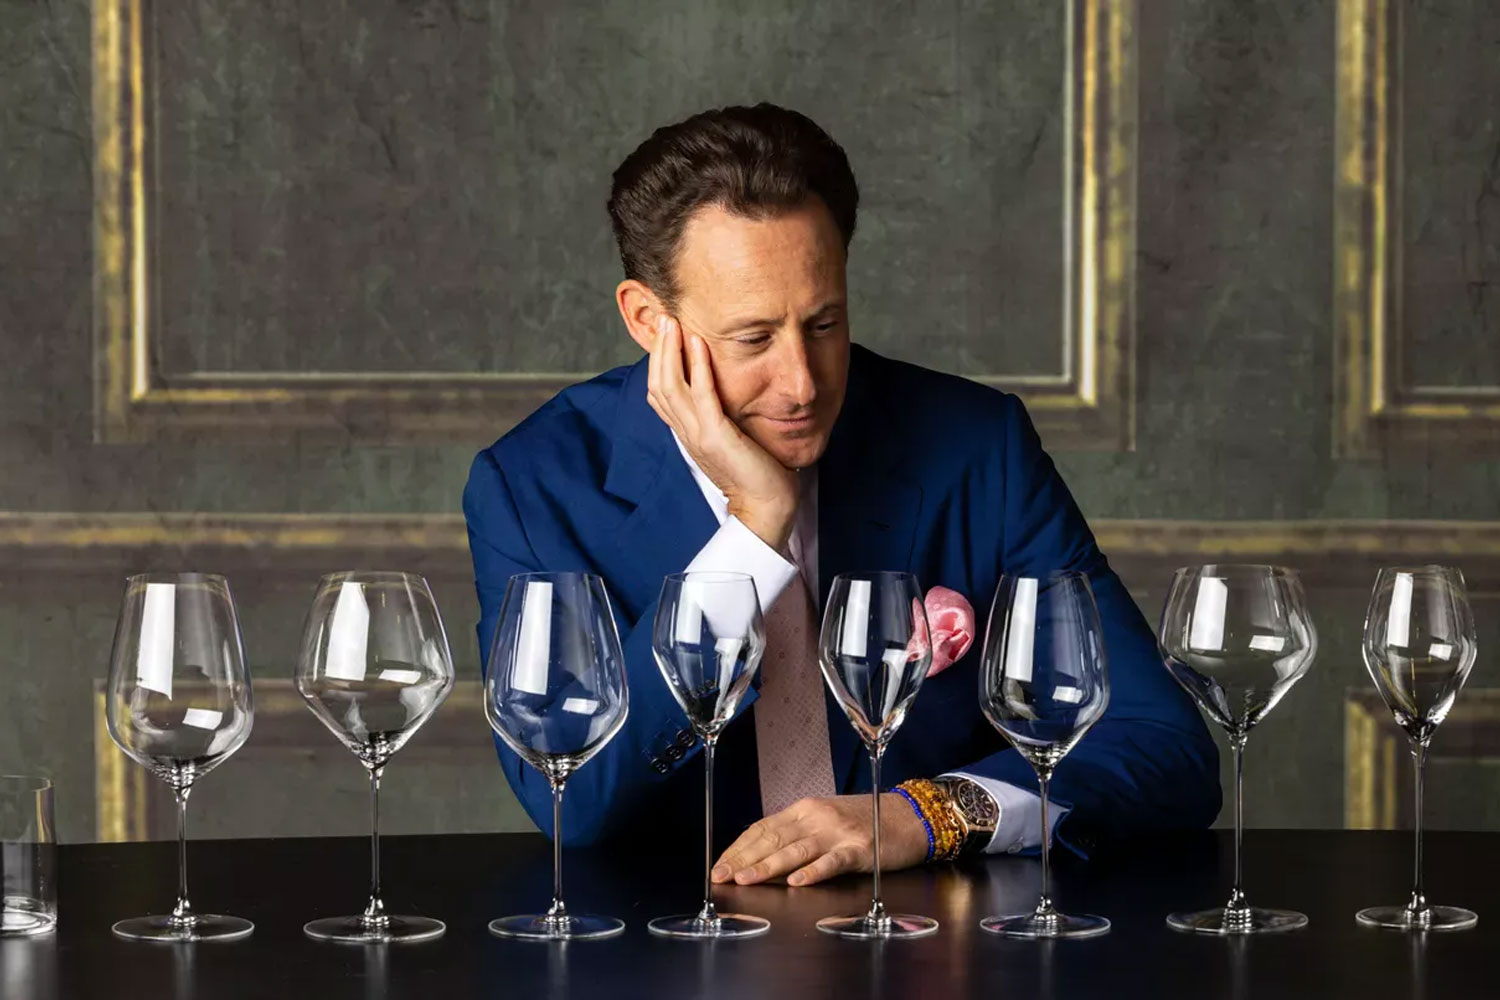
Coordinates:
(1043, 682)
(374, 665)
(1237, 638)
(555, 693)
(178, 704)
(874, 649)
(1419, 645)
(708, 638)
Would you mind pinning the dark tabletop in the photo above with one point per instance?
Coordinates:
(467, 880)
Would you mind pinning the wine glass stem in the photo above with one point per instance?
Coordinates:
(182, 913)
(1419, 761)
(1237, 743)
(558, 911)
(877, 908)
(375, 910)
(709, 914)
(1043, 784)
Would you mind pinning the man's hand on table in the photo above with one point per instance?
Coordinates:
(816, 839)
(762, 493)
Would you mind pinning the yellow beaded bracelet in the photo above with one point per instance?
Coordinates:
(942, 818)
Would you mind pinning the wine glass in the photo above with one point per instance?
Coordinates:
(1237, 637)
(179, 704)
(1419, 645)
(1043, 682)
(373, 667)
(708, 638)
(874, 650)
(555, 693)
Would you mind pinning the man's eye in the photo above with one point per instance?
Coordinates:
(754, 340)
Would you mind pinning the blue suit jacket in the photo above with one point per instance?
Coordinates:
(924, 472)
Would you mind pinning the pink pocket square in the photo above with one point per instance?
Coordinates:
(950, 618)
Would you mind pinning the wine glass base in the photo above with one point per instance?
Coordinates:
(1251, 920)
(539, 927)
(1399, 918)
(1029, 926)
(729, 925)
(203, 927)
(861, 928)
(17, 922)
(355, 930)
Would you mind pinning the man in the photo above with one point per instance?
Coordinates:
(755, 437)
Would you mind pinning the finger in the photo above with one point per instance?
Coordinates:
(759, 840)
(663, 376)
(792, 856)
(835, 862)
(672, 386)
(701, 373)
(653, 372)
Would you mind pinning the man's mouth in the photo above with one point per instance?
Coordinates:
(792, 423)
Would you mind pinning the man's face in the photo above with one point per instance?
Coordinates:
(767, 296)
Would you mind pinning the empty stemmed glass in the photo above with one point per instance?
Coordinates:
(179, 704)
(708, 638)
(1419, 645)
(1043, 682)
(373, 667)
(1237, 638)
(555, 693)
(874, 649)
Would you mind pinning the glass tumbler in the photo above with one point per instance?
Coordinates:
(28, 856)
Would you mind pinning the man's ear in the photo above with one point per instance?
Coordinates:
(640, 309)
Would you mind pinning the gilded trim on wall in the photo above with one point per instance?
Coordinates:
(127, 802)
(1374, 410)
(119, 784)
(1090, 405)
(1377, 755)
(30, 538)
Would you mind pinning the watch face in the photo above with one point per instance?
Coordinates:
(976, 805)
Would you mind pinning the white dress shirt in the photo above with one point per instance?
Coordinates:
(735, 548)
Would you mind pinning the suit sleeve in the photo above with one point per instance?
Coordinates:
(601, 795)
(1149, 763)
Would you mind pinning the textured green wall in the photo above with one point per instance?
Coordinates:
(420, 186)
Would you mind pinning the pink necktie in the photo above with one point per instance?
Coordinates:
(791, 725)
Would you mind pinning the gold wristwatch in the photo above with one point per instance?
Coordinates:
(977, 811)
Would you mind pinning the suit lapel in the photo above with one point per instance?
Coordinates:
(868, 508)
(671, 521)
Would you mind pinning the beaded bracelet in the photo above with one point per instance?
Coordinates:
(931, 840)
(939, 815)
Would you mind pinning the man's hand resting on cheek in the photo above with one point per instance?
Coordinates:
(762, 493)
(815, 839)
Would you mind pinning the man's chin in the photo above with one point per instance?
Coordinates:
(798, 450)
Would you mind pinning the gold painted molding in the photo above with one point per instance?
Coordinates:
(32, 538)
(1091, 404)
(127, 799)
(1377, 761)
(1374, 410)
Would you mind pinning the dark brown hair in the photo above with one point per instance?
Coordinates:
(753, 161)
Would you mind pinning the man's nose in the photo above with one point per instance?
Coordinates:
(794, 374)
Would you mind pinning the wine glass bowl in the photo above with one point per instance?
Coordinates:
(179, 703)
(555, 693)
(874, 649)
(373, 666)
(1043, 683)
(708, 637)
(1419, 644)
(1236, 638)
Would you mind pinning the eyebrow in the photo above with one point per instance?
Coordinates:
(735, 326)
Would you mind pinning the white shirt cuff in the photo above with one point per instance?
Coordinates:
(734, 548)
(1020, 823)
